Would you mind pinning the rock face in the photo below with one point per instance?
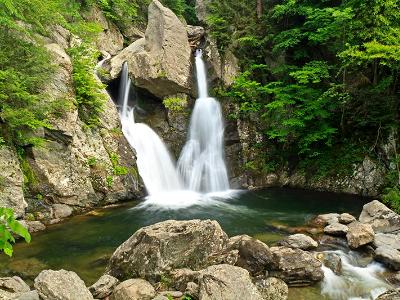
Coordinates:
(61, 285)
(11, 182)
(272, 288)
(133, 289)
(387, 239)
(381, 218)
(294, 266)
(300, 241)
(226, 282)
(104, 286)
(161, 62)
(359, 235)
(388, 256)
(168, 245)
(254, 255)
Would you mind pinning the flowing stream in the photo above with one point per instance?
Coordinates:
(201, 174)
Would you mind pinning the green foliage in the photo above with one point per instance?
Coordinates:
(109, 181)
(392, 198)
(175, 103)
(8, 227)
(117, 169)
(92, 161)
(88, 90)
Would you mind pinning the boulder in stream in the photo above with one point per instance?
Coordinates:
(157, 249)
(133, 289)
(336, 229)
(390, 295)
(381, 218)
(359, 234)
(389, 256)
(300, 241)
(13, 285)
(104, 286)
(272, 288)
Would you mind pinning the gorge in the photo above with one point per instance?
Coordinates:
(198, 150)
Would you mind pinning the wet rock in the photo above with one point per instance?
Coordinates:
(388, 256)
(61, 211)
(159, 248)
(272, 288)
(11, 182)
(133, 289)
(104, 286)
(13, 285)
(254, 255)
(359, 234)
(387, 239)
(61, 285)
(381, 218)
(336, 229)
(328, 241)
(300, 241)
(195, 34)
(294, 266)
(226, 282)
(161, 62)
(331, 261)
(390, 295)
(346, 218)
(325, 219)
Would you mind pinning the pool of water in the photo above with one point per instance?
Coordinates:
(84, 243)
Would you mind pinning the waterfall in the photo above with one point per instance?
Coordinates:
(201, 168)
(154, 162)
(201, 162)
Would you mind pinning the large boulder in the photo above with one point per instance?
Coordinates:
(11, 182)
(226, 282)
(381, 218)
(300, 241)
(154, 250)
(254, 255)
(133, 289)
(61, 285)
(336, 229)
(160, 62)
(387, 239)
(389, 256)
(359, 234)
(296, 267)
(272, 288)
(390, 295)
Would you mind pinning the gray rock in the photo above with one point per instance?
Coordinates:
(13, 285)
(294, 266)
(381, 218)
(387, 239)
(31, 295)
(226, 282)
(61, 285)
(201, 9)
(181, 278)
(160, 297)
(300, 241)
(332, 261)
(156, 249)
(35, 226)
(173, 294)
(254, 255)
(388, 256)
(104, 286)
(272, 288)
(336, 229)
(61, 211)
(161, 62)
(390, 295)
(133, 289)
(359, 234)
(11, 182)
(346, 218)
(230, 68)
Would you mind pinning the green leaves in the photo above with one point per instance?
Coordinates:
(9, 226)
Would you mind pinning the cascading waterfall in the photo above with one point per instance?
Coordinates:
(154, 162)
(201, 163)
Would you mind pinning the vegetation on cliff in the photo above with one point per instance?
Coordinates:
(322, 77)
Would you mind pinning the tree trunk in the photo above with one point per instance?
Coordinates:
(259, 8)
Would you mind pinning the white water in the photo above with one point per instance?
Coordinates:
(201, 163)
(355, 282)
(202, 174)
